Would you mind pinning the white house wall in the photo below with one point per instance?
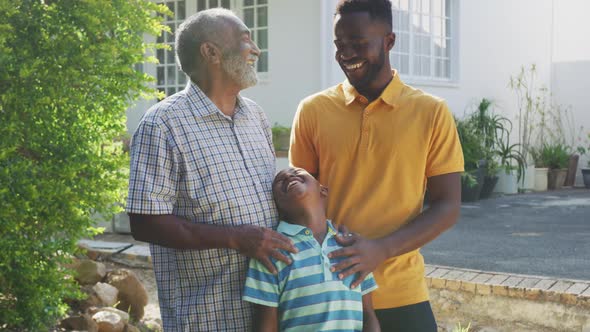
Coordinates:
(496, 38)
(294, 58)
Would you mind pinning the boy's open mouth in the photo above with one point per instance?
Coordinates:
(291, 183)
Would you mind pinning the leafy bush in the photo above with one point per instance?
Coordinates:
(554, 156)
(66, 78)
(280, 137)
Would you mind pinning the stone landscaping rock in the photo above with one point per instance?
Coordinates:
(90, 272)
(79, 323)
(131, 328)
(108, 321)
(106, 293)
(132, 294)
(151, 325)
(124, 316)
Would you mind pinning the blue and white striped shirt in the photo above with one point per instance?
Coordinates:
(308, 295)
(191, 160)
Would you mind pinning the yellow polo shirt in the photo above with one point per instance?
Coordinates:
(375, 160)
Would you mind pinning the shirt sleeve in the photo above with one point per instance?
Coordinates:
(302, 152)
(368, 285)
(445, 154)
(153, 172)
(262, 287)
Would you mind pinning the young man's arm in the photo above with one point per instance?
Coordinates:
(364, 255)
(266, 319)
(370, 321)
(174, 232)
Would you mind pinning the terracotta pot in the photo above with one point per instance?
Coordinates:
(556, 178)
(572, 168)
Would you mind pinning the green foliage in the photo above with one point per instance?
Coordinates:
(280, 137)
(471, 143)
(583, 147)
(554, 156)
(66, 78)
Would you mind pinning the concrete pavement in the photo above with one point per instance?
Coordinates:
(544, 234)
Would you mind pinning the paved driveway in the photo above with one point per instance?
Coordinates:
(545, 234)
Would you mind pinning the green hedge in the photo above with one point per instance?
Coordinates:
(66, 78)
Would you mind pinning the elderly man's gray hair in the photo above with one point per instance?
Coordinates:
(203, 26)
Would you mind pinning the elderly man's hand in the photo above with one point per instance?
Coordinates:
(362, 256)
(263, 243)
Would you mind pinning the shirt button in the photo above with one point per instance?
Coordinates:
(307, 232)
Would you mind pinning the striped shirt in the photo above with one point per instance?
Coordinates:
(308, 295)
(191, 160)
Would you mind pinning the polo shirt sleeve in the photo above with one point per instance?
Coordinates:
(368, 285)
(153, 172)
(262, 287)
(302, 152)
(444, 154)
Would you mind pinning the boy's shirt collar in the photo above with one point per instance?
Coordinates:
(293, 229)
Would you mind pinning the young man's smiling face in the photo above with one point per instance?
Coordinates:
(362, 49)
(295, 189)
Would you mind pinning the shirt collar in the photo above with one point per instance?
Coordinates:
(389, 95)
(202, 106)
(294, 229)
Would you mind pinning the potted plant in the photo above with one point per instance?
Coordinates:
(584, 150)
(486, 126)
(556, 157)
(541, 170)
(280, 139)
(473, 177)
(511, 161)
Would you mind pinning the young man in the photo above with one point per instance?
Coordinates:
(202, 166)
(306, 295)
(378, 143)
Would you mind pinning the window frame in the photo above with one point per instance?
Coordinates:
(191, 7)
(432, 79)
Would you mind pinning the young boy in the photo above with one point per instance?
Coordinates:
(306, 295)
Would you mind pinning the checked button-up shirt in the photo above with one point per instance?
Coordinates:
(191, 160)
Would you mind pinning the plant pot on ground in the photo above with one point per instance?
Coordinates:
(572, 168)
(471, 185)
(586, 177)
(556, 156)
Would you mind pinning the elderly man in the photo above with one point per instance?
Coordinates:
(202, 166)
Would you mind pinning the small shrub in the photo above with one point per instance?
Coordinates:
(66, 78)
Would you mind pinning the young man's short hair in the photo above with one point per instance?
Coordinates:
(379, 10)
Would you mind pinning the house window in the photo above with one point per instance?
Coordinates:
(425, 40)
(255, 16)
(169, 78)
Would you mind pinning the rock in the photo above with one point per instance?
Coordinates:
(90, 272)
(79, 323)
(132, 294)
(108, 321)
(124, 316)
(106, 293)
(91, 300)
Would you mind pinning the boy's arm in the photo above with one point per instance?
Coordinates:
(266, 319)
(370, 322)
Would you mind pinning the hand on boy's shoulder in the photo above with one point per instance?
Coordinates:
(263, 244)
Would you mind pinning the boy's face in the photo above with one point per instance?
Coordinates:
(294, 189)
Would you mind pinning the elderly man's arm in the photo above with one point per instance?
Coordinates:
(364, 255)
(174, 232)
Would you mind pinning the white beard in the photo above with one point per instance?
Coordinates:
(239, 70)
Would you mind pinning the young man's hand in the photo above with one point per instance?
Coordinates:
(362, 256)
(262, 243)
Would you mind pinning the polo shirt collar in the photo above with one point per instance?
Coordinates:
(294, 229)
(389, 95)
(202, 106)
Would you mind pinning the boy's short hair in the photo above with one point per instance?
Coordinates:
(379, 10)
